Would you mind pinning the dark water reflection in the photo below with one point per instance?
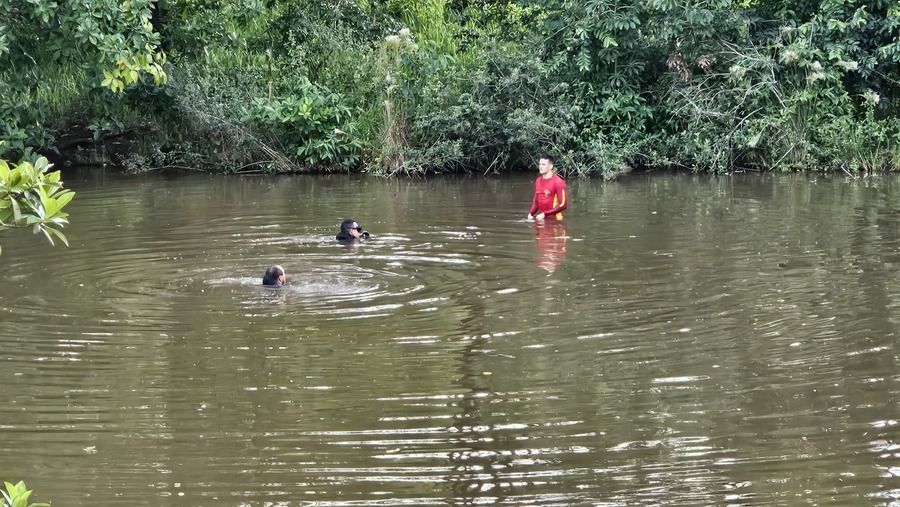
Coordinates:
(678, 340)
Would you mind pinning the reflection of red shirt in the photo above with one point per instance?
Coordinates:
(549, 197)
(551, 244)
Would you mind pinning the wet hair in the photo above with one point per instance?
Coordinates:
(347, 224)
(272, 275)
(346, 227)
(548, 157)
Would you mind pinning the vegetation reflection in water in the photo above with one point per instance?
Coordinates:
(694, 341)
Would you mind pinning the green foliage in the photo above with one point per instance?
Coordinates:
(115, 39)
(397, 65)
(408, 87)
(867, 145)
(280, 89)
(313, 123)
(483, 20)
(30, 195)
(20, 125)
(331, 44)
(597, 46)
(192, 28)
(760, 98)
(486, 114)
(609, 157)
(17, 496)
(110, 47)
(425, 18)
(199, 124)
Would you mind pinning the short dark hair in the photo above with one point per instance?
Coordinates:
(548, 157)
(347, 224)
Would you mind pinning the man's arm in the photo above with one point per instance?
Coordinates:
(534, 206)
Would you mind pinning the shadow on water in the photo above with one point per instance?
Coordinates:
(678, 340)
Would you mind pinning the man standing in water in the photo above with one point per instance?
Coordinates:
(549, 192)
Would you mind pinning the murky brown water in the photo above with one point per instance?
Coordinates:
(678, 340)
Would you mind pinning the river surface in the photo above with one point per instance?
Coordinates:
(675, 340)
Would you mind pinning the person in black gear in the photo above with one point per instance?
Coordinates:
(274, 277)
(351, 231)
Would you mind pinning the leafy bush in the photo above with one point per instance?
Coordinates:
(867, 145)
(17, 496)
(313, 124)
(100, 46)
(408, 87)
(30, 195)
(494, 111)
(199, 125)
(21, 126)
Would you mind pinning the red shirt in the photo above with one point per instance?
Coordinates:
(549, 197)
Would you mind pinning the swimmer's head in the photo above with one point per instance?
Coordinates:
(274, 276)
(350, 224)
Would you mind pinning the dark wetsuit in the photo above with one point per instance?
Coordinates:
(348, 225)
(272, 276)
(271, 282)
(344, 236)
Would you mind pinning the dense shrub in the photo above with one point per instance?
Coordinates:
(411, 87)
(487, 114)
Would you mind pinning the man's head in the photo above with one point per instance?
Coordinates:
(353, 229)
(274, 276)
(349, 225)
(545, 165)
